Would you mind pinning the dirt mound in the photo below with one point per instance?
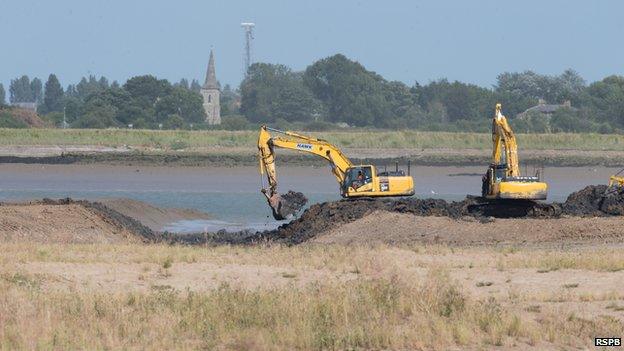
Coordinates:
(323, 217)
(586, 201)
(29, 117)
(122, 221)
(399, 228)
(613, 203)
(151, 216)
(69, 221)
(433, 207)
(595, 200)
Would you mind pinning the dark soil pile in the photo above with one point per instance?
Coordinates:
(595, 200)
(321, 217)
(613, 202)
(590, 201)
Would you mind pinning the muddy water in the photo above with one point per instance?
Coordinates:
(232, 195)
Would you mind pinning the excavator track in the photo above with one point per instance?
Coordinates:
(503, 208)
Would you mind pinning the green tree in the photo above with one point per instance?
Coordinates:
(606, 100)
(103, 82)
(73, 108)
(2, 95)
(570, 86)
(174, 121)
(350, 92)
(230, 100)
(182, 102)
(53, 95)
(234, 122)
(461, 101)
(183, 83)
(19, 90)
(36, 89)
(127, 110)
(554, 89)
(195, 86)
(531, 122)
(91, 85)
(71, 91)
(98, 112)
(147, 89)
(571, 121)
(272, 91)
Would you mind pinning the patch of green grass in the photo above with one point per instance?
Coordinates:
(169, 139)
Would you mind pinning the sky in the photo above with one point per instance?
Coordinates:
(408, 41)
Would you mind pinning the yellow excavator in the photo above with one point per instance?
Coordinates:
(503, 179)
(503, 187)
(617, 180)
(355, 181)
(616, 184)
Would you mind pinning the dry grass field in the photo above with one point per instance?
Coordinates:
(363, 139)
(136, 296)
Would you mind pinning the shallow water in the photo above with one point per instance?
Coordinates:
(232, 195)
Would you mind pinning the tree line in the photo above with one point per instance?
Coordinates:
(341, 91)
(142, 102)
(330, 93)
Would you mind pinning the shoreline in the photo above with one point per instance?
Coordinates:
(225, 157)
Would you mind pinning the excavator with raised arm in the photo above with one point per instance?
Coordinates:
(355, 181)
(504, 189)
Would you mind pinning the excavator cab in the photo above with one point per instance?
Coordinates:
(358, 178)
(497, 185)
(364, 181)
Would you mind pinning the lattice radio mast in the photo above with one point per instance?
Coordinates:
(248, 28)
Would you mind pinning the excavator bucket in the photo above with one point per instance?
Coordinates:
(287, 205)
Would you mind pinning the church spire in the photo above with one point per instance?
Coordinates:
(211, 77)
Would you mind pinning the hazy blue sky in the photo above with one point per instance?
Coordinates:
(471, 41)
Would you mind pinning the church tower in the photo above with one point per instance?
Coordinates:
(211, 94)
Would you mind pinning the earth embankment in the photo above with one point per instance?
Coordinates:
(589, 215)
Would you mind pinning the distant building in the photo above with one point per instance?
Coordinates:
(211, 94)
(31, 106)
(545, 109)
